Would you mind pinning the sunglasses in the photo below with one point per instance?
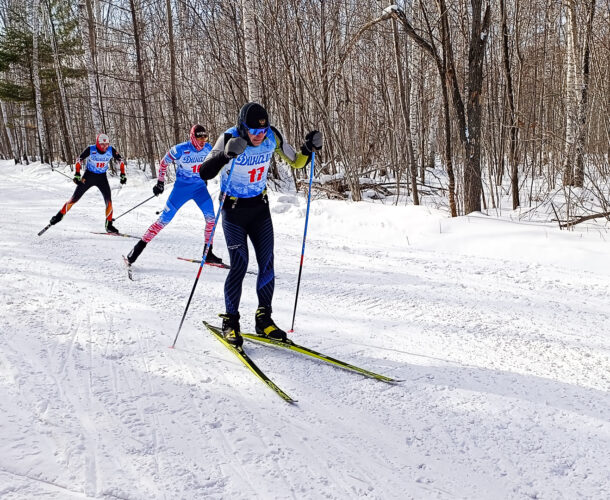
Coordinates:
(201, 136)
(256, 131)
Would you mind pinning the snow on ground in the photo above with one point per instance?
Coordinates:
(499, 330)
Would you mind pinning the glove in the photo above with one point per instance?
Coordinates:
(158, 188)
(313, 142)
(123, 178)
(77, 178)
(235, 146)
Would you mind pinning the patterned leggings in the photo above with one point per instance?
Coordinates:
(238, 224)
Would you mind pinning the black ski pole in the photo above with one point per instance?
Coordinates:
(205, 253)
(296, 298)
(65, 175)
(44, 229)
(147, 199)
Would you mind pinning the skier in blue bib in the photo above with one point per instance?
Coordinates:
(98, 158)
(245, 213)
(188, 157)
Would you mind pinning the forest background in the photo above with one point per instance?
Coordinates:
(467, 102)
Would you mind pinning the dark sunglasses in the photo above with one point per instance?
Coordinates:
(256, 131)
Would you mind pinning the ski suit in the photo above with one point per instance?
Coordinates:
(188, 186)
(245, 212)
(95, 175)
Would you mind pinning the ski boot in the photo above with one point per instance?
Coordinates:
(136, 251)
(265, 327)
(230, 329)
(56, 218)
(110, 228)
(211, 258)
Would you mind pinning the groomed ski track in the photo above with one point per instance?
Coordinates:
(504, 356)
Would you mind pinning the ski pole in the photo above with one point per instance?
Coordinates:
(65, 175)
(296, 298)
(147, 199)
(205, 252)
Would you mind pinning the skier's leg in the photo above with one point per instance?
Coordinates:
(260, 232)
(80, 190)
(178, 197)
(237, 244)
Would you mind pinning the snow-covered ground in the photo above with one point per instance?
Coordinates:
(499, 329)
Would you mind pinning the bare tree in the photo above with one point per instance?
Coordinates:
(42, 133)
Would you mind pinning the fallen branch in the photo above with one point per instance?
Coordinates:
(583, 219)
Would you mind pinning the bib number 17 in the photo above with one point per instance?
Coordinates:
(256, 174)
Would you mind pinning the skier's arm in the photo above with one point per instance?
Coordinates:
(171, 156)
(215, 160)
(288, 153)
(83, 156)
(119, 158)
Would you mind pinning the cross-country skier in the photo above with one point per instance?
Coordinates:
(98, 157)
(245, 212)
(188, 157)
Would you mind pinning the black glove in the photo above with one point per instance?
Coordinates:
(235, 146)
(158, 188)
(77, 178)
(123, 178)
(313, 142)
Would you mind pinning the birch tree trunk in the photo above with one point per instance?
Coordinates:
(140, 65)
(579, 173)
(405, 106)
(42, 135)
(69, 140)
(251, 50)
(172, 73)
(88, 38)
(514, 130)
(573, 87)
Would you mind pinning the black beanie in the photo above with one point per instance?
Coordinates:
(253, 115)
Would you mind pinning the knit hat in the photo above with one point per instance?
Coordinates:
(251, 115)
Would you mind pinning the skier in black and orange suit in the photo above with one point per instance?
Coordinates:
(98, 157)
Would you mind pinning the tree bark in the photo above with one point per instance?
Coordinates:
(88, 38)
(65, 111)
(140, 66)
(251, 47)
(42, 135)
(405, 105)
(172, 73)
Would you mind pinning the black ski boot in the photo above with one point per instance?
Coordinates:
(211, 258)
(230, 329)
(56, 218)
(265, 326)
(110, 228)
(136, 251)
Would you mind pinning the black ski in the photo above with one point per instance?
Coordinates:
(221, 265)
(290, 345)
(213, 264)
(245, 359)
(117, 234)
(44, 229)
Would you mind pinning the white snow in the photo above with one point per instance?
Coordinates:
(499, 330)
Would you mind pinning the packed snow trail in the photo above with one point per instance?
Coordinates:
(499, 329)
